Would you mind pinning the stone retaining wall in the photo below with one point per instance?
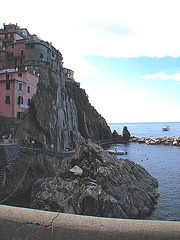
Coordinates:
(7, 151)
(173, 141)
(20, 223)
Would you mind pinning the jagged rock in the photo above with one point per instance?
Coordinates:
(116, 136)
(61, 112)
(126, 134)
(108, 187)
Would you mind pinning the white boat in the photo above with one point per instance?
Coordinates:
(165, 128)
(115, 152)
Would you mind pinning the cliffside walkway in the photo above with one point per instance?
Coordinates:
(13, 174)
(110, 141)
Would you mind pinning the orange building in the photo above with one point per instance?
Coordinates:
(16, 90)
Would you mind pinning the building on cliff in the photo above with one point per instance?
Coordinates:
(16, 90)
(69, 74)
(18, 48)
(20, 55)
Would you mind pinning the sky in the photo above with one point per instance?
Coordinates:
(124, 53)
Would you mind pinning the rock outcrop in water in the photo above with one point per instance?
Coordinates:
(126, 134)
(96, 183)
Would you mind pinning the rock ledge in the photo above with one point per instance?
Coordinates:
(98, 184)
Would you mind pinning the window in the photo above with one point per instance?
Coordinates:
(31, 45)
(20, 61)
(28, 89)
(12, 46)
(15, 61)
(18, 115)
(20, 87)
(19, 74)
(7, 85)
(41, 55)
(20, 100)
(52, 54)
(47, 50)
(28, 101)
(7, 76)
(22, 52)
(7, 99)
(12, 54)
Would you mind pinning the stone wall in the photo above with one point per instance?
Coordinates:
(20, 224)
(7, 151)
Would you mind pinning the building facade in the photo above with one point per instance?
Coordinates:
(12, 33)
(69, 74)
(16, 90)
(41, 52)
(16, 54)
(18, 49)
(20, 52)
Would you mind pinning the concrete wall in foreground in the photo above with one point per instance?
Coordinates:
(20, 223)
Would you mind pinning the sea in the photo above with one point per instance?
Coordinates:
(162, 162)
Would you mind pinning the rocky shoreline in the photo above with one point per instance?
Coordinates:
(95, 183)
(172, 141)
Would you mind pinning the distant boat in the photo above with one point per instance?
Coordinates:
(115, 152)
(165, 128)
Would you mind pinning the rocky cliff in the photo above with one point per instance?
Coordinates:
(60, 113)
(93, 182)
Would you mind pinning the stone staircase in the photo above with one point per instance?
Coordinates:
(13, 174)
(2, 171)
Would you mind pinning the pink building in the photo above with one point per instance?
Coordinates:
(16, 54)
(16, 90)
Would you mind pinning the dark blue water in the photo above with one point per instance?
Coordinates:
(162, 162)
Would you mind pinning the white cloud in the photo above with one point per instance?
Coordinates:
(115, 28)
(81, 68)
(163, 76)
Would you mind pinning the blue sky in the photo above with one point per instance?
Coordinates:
(126, 54)
(131, 89)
